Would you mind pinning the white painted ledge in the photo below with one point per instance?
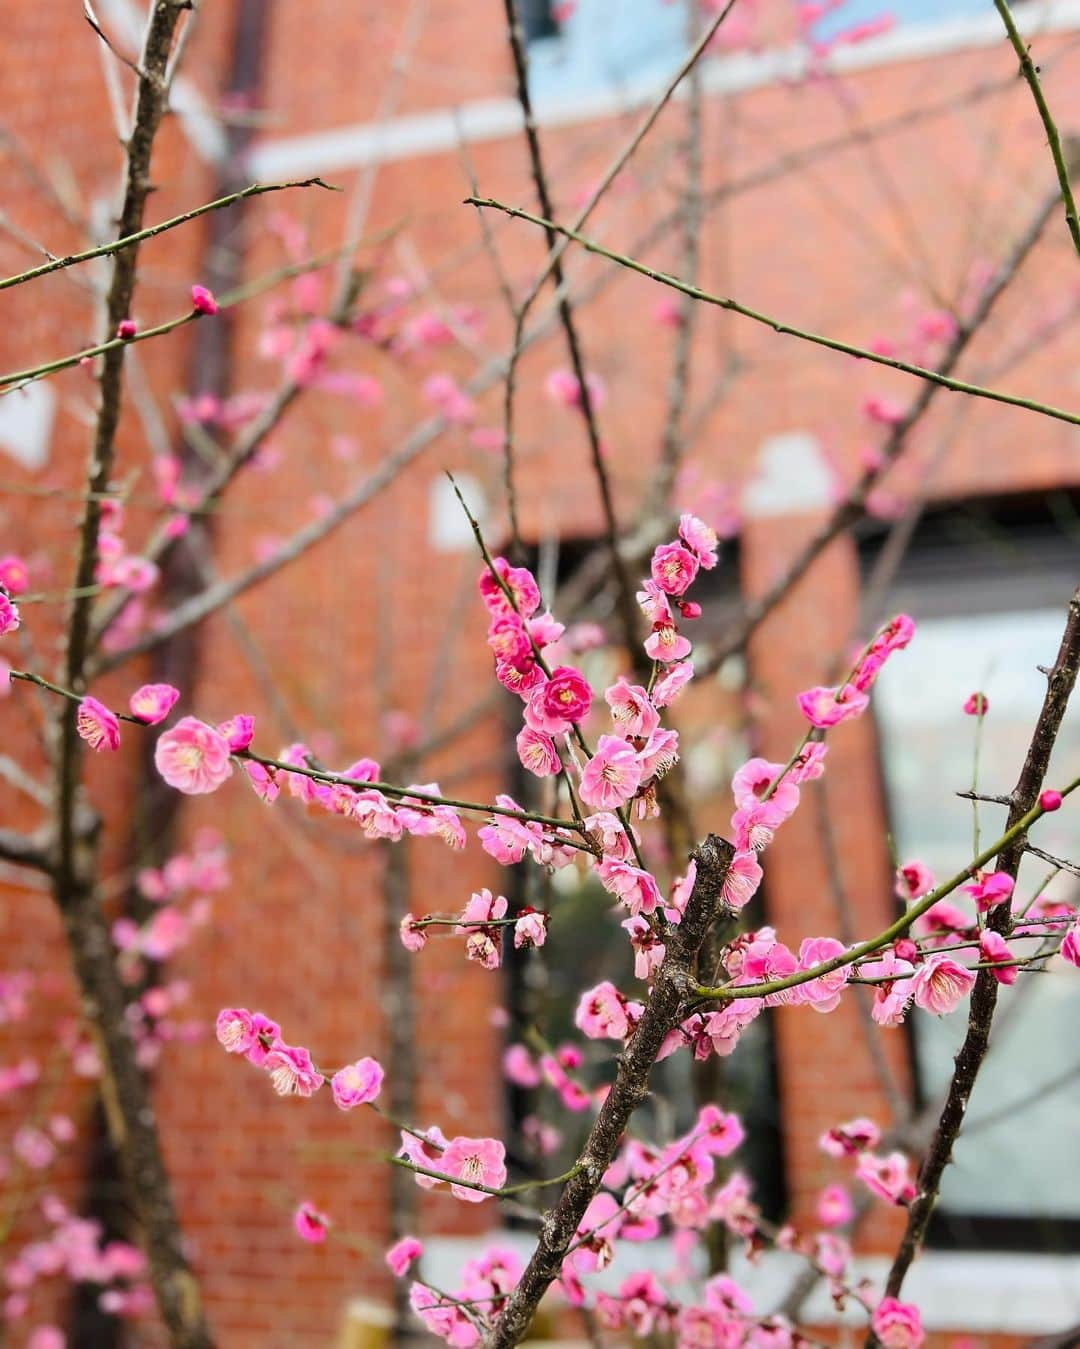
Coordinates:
(359, 144)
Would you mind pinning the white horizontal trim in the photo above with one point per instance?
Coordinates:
(363, 143)
(954, 1290)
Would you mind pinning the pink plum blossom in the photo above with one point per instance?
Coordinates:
(887, 1177)
(700, 538)
(97, 725)
(291, 1070)
(897, 1324)
(940, 983)
(754, 779)
(989, 889)
(636, 888)
(666, 645)
(9, 615)
(238, 732)
(565, 698)
(913, 879)
(153, 702)
(845, 1140)
(601, 1013)
(1070, 945)
(671, 683)
(810, 763)
(742, 880)
(631, 710)
(416, 1150)
(1050, 800)
(235, 1029)
(479, 1161)
(823, 993)
(994, 949)
(530, 930)
(537, 753)
(673, 568)
(357, 1084)
(521, 584)
(310, 1225)
(402, 1254)
(14, 574)
(834, 1206)
(612, 775)
(193, 757)
(977, 705)
(827, 707)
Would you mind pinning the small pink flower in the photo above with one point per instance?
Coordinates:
(235, 1030)
(193, 757)
(700, 538)
(14, 574)
(1070, 946)
(562, 386)
(887, 1177)
(810, 765)
(97, 725)
(203, 300)
(239, 732)
(754, 779)
(537, 753)
(913, 879)
(263, 780)
(989, 890)
(823, 993)
(612, 775)
(671, 683)
(834, 1206)
(358, 1084)
(673, 568)
(1050, 800)
(977, 705)
(636, 888)
(125, 329)
(415, 1150)
(897, 1324)
(153, 702)
(845, 1140)
(402, 1254)
(631, 710)
(530, 930)
(565, 698)
(827, 707)
(742, 881)
(9, 615)
(601, 1013)
(310, 1225)
(995, 950)
(940, 983)
(480, 1161)
(291, 1070)
(666, 644)
(519, 581)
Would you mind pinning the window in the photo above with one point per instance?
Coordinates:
(988, 587)
(601, 44)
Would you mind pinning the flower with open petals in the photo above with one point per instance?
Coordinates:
(612, 775)
(673, 568)
(291, 1070)
(826, 707)
(940, 983)
(358, 1084)
(480, 1161)
(193, 757)
(97, 725)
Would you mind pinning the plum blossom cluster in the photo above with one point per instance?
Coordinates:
(75, 1249)
(290, 1067)
(481, 923)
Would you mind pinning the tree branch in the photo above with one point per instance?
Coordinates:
(628, 1091)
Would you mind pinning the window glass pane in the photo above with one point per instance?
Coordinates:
(1019, 1164)
(606, 44)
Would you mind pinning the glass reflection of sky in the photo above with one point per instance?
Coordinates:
(1024, 1165)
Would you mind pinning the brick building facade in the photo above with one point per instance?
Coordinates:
(849, 202)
